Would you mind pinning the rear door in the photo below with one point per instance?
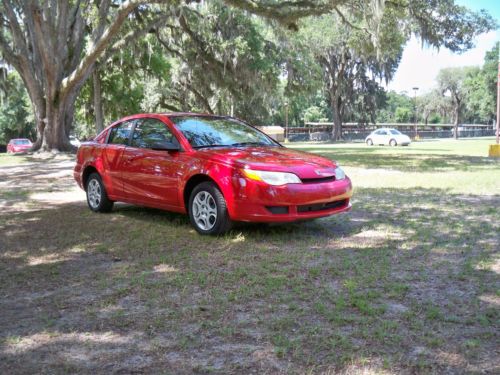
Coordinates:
(150, 176)
(118, 138)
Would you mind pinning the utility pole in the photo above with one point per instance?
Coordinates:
(495, 149)
(498, 98)
(415, 89)
(286, 122)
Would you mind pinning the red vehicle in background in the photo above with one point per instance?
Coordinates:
(216, 169)
(19, 145)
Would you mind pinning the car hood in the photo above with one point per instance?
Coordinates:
(280, 159)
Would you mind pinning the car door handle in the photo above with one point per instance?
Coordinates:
(130, 160)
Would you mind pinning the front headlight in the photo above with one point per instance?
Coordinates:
(339, 173)
(272, 178)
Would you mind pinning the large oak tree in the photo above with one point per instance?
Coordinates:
(54, 45)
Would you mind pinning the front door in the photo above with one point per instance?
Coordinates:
(149, 176)
(379, 137)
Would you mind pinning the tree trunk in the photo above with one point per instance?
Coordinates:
(53, 122)
(457, 120)
(98, 113)
(337, 118)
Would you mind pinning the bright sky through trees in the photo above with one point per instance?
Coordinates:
(420, 65)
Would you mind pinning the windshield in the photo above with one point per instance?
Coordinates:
(207, 131)
(395, 132)
(22, 142)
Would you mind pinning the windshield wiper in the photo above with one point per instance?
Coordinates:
(210, 146)
(250, 144)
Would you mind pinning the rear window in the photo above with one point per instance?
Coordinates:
(19, 142)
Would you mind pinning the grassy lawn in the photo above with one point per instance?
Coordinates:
(11, 159)
(408, 282)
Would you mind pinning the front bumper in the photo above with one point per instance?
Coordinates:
(259, 202)
(19, 150)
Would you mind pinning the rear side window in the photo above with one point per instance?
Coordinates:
(149, 131)
(119, 134)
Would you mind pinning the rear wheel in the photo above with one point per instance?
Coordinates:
(393, 143)
(369, 142)
(208, 210)
(97, 198)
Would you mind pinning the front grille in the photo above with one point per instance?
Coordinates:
(278, 209)
(321, 206)
(317, 180)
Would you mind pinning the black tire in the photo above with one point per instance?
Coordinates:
(369, 142)
(393, 143)
(97, 198)
(209, 196)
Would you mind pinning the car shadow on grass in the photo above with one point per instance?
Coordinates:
(404, 283)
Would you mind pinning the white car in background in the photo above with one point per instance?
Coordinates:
(386, 136)
(74, 141)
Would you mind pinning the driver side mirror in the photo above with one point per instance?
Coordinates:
(166, 146)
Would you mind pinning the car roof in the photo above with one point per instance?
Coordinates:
(19, 139)
(192, 114)
(166, 114)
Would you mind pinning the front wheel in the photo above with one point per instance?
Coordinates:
(208, 210)
(393, 143)
(97, 198)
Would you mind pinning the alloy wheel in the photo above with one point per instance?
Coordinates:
(204, 210)
(94, 192)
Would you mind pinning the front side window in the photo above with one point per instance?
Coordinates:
(119, 134)
(395, 132)
(208, 131)
(149, 132)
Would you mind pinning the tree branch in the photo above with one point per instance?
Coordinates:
(349, 23)
(286, 12)
(97, 49)
(132, 35)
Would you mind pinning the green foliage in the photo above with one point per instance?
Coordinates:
(455, 82)
(396, 108)
(16, 120)
(403, 115)
(314, 114)
(481, 90)
(130, 83)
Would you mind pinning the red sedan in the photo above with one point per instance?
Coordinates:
(19, 145)
(216, 169)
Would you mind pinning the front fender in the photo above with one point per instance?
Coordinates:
(223, 175)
